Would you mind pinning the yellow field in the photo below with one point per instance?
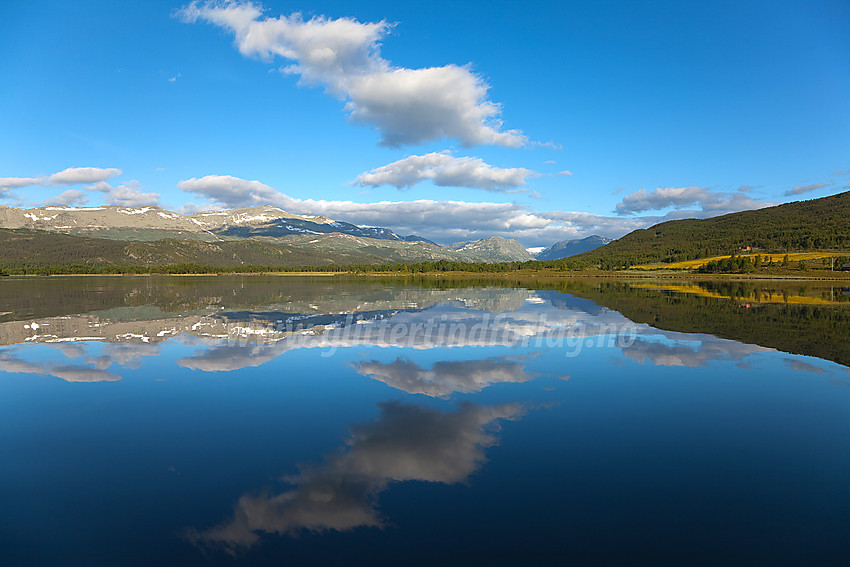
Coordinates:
(691, 264)
(760, 296)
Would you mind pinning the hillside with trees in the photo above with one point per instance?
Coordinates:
(819, 224)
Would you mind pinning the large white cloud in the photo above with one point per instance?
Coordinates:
(445, 170)
(407, 106)
(713, 203)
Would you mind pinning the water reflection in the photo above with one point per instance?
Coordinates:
(10, 361)
(446, 377)
(93, 368)
(688, 351)
(641, 443)
(242, 334)
(406, 442)
(311, 313)
(803, 366)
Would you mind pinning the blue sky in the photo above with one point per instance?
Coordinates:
(455, 120)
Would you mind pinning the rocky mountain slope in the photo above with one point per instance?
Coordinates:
(493, 247)
(153, 223)
(263, 235)
(567, 248)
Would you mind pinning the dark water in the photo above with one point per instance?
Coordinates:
(297, 421)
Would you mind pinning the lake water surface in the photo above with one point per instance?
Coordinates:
(312, 421)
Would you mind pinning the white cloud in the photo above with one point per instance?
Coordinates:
(660, 198)
(710, 203)
(566, 172)
(125, 195)
(407, 106)
(81, 175)
(192, 208)
(94, 177)
(231, 191)
(67, 198)
(800, 189)
(129, 194)
(70, 176)
(9, 183)
(445, 170)
(413, 106)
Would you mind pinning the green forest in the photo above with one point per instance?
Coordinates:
(819, 224)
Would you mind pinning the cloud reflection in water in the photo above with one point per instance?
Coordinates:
(689, 351)
(446, 377)
(406, 442)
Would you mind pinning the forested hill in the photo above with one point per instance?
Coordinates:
(819, 224)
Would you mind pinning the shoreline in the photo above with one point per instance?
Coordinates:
(524, 275)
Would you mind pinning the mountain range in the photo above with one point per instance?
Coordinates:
(153, 223)
(264, 235)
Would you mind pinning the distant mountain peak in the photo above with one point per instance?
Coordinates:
(495, 245)
(567, 248)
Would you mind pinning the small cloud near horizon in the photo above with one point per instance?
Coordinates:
(710, 203)
(800, 189)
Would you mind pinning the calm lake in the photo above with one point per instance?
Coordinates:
(351, 421)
